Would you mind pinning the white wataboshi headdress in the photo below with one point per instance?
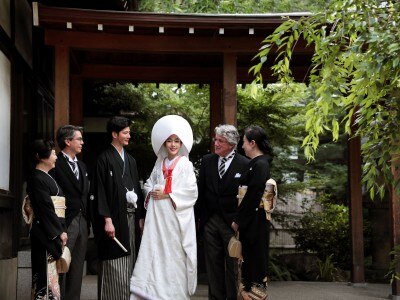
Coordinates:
(167, 126)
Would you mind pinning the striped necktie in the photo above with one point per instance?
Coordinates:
(74, 167)
(221, 168)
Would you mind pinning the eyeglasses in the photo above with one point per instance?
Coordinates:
(221, 141)
(78, 139)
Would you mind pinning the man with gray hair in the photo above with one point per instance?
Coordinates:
(71, 174)
(218, 184)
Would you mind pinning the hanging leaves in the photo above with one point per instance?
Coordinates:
(354, 76)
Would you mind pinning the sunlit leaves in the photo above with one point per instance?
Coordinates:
(230, 6)
(354, 76)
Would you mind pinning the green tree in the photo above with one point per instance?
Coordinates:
(146, 103)
(325, 232)
(230, 6)
(355, 70)
(281, 111)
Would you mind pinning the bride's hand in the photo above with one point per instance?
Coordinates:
(158, 195)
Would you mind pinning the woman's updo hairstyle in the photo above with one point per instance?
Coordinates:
(41, 149)
(258, 135)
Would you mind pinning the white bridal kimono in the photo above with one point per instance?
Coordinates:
(166, 267)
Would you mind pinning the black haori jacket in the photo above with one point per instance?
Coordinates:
(109, 200)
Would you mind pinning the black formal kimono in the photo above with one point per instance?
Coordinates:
(45, 235)
(113, 178)
(253, 225)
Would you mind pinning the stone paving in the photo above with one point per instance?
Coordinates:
(287, 290)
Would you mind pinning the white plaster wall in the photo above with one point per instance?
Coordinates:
(5, 120)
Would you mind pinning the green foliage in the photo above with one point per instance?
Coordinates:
(230, 6)
(355, 68)
(394, 264)
(281, 111)
(327, 270)
(279, 271)
(325, 232)
(146, 103)
(276, 108)
(281, 115)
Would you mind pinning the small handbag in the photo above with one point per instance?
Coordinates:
(27, 211)
(64, 261)
(235, 247)
(258, 292)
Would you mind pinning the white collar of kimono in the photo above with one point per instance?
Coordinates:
(167, 126)
(169, 162)
(122, 154)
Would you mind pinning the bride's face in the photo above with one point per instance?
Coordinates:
(173, 144)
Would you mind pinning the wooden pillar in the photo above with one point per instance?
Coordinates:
(76, 112)
(61, 101)
(229, 99)
(395, 223)
(215, 108)
(356, 217)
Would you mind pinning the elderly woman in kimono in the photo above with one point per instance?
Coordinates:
(166, 267)
(48, 232)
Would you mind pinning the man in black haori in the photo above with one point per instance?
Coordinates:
(118, 200)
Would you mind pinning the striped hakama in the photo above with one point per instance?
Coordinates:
(114, 274)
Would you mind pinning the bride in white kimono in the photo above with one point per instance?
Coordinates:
(166, 267)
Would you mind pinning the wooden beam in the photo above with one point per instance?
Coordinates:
(168, 74)
(57, 15)
(151, 43)
(61, 102)
(152, 74)
(395, 222)
(229, 99)
(160, 43)
(356, 216)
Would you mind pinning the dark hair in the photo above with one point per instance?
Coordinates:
(41, 149)
(258, 135)
(116, 124)
(66, 132)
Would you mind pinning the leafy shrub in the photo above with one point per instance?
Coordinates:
(325, 232)
(327, 270)
(279, 270)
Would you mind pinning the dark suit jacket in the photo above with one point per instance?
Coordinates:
(218, 195)
(76, 192)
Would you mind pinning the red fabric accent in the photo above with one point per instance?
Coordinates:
(168, 175)
(146, 201)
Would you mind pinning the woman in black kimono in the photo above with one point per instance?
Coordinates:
(48, 234)
(251, 219)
